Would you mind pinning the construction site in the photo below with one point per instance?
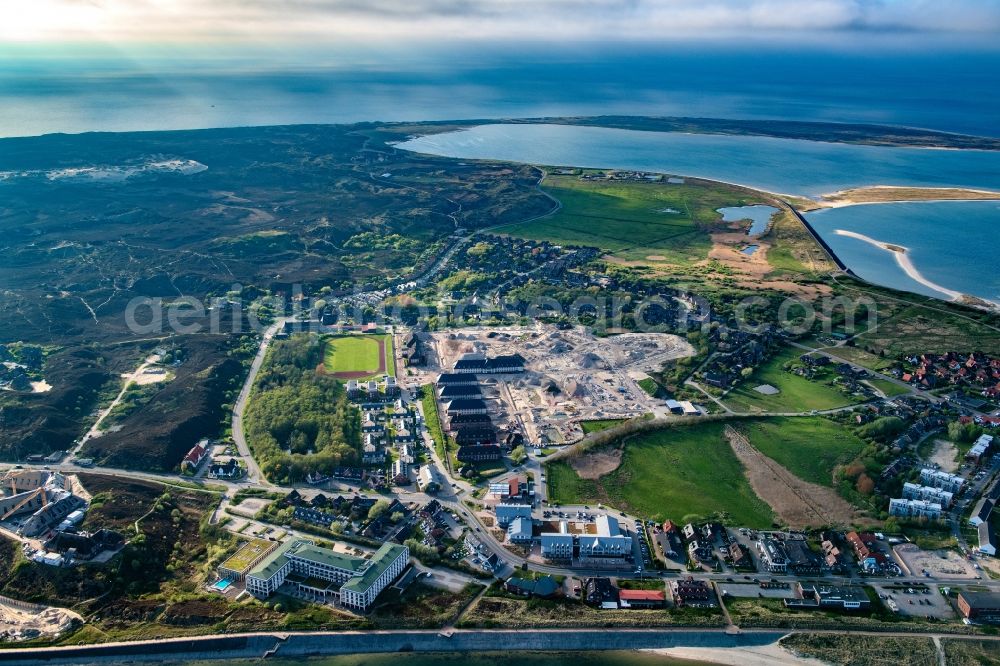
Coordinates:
(569, 375)
(21, 621)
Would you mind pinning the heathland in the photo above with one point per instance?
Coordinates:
(91, 221)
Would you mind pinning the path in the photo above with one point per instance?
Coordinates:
(95, 430)
(254, 474)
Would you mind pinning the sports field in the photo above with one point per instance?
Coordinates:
(686, 473)
(633, 220)
(795, 393)
(358, 356)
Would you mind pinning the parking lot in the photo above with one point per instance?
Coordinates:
(938, 563)
(743, 588)
(917, 601)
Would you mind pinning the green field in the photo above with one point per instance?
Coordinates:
(599, 425)
(797, 394)
(633, 220)
(357, 353)
(809, 447)
(682, 473)
(891, 389)
(859, 356)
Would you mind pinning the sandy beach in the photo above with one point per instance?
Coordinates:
(764, 655)
(888, 194)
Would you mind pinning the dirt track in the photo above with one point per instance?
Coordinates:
(795, 502)
(595, 464)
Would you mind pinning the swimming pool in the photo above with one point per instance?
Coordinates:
(223, 585)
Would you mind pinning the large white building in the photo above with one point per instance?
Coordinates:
(558, 545)
(940, 479)
(327, 575)
(915, 491)
(608, 542)
(981, 448)
(506, 513)
(910, 508)
(603, 541)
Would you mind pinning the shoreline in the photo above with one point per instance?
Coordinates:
(844, 198)
(905, 263)
(761, 655)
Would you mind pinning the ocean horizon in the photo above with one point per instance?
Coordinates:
(953, 91)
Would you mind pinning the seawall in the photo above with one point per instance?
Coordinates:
(255, 646)
(819, 239)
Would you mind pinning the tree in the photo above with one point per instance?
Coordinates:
(963, 432)
(883, 429)
(865, 485)
(396, 517)
(378, 508)
(518, 455)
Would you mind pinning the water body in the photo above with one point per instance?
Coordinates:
(951, 243)
(44, 90)
(610, 658)
(788, 166)
(759, 216)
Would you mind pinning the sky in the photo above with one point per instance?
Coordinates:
(138, 22)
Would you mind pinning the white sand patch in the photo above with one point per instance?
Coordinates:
(41, 387)
(902, 257)
(764, 655)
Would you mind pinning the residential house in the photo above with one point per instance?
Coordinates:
(641, 598)
(193, 459)
(600, 592)
(987, 539)
(508, 512)
(230, 469)
(772, 555)
(691, 592)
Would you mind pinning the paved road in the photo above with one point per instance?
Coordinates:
(254, 474)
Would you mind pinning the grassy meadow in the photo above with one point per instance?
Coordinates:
(634, 220)
(796, 394)
(682, 473)
(809, 447)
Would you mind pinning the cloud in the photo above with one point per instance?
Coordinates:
(433, 20)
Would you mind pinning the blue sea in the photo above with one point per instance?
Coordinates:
(953, 244)
(89, 90)
(45, 91)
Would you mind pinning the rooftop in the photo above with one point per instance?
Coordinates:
(380, 561)
(981, 599)
(641, 595)
(318, 555)
(277, 559)
(247, 553)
